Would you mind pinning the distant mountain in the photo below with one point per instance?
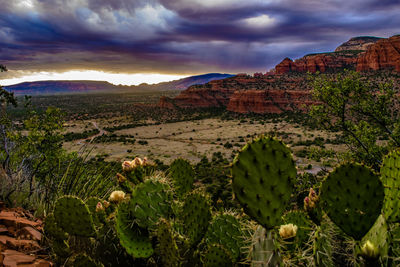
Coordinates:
(57, 87)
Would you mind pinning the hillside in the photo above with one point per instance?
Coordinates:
(56, 87)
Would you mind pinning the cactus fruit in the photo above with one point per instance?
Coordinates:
(167, 247)
(52, 230)
(263, 180)
(390, 174)
(149, 202)
(134, 239)
(217, 256)
(195, 215)
(263, 251)
(303, 223)
(226, 230)
(182, 175)
(378, 236)
(352, 196)
(73, 216)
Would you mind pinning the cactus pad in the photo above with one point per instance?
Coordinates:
(263, 251)
(263, 176)
(390, 177)
(378, 235)
(52, 230)
(182, 175)
(352, 196)
(226, 230)
(149, 202)
(303, 223)
(217, 256)
(195, 215)
(167, 247)
(134, 239)
(73, 216)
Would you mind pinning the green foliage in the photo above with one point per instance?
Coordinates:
(134, 239)
(352, 196)
(390, 173)
(182, 175)
(263, 176)
(378, 235)
(52, 230)
(362, 110)
(83, 260)
(73, 216)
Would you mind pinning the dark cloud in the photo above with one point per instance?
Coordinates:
(179, 36)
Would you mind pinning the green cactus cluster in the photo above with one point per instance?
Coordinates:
(169, 222)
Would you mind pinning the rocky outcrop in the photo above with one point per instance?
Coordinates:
(269, 101)
(384, 54)
(360, 43)
(20, 237)
(319, 62)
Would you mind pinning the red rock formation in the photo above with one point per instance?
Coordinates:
(269, 101)
(318, 62)
(357, 43)
(384, 54)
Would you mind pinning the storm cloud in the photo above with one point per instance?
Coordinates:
(180, 36)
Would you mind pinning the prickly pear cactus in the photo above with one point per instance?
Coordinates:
(352, 196)
(217, 256)
(73, 216)
(52, 230)
(303, 223)
(195, 215)
(226, 230)
(263, 176)
(390, 177)
(134, 239)
(378, 235)
(182, 175)
(167, 248)
(263, 251)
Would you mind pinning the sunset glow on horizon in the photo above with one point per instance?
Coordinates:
(92, 75)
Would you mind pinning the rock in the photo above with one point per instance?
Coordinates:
(11, 258)
(12, 219)
(384, 54)
(269, 101)
(3, 230)
(358, 43)
(30, 233)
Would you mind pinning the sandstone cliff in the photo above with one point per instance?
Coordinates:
(384, 54)
(358, 43)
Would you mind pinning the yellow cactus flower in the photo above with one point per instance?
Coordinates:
(369, 250)
(117, 196)
(127, 166)
(288, 231)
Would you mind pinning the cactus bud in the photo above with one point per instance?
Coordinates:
(117, 196)
(313, 195)
(369, 250)
(127, 166)
(288, 231)
(137, 162)
(99, 207)
(121, 178)
(106, 204)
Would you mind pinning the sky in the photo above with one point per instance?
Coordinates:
(135, 41)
